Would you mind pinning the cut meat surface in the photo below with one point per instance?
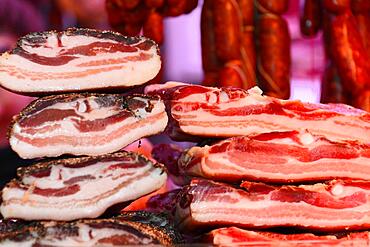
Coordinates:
(225, 112)
(282, 157)
(237, 237)
(101, 232)
(85, 124)
(78, 60)
(75, 188)
(336, 205)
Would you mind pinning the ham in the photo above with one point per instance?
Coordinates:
(118, 231)
(78, 60)
(233, 236)
(279, 157)
(226, 112)
(335, 205)
(85, 124)
(76, 188)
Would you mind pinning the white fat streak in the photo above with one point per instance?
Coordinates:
(101, 146)
(10, 243)
(336, 128)
(293, 168)
(299, 213)
(215, 95)
(306, 138)
(337, 190)
(169, 84)
(78, 206)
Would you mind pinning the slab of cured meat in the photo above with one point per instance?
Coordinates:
(279, 157)
(117, 231)
(85, 124)
(336, 205)
(78, 60)
(237, 237)
(225, 112)
(76, 188)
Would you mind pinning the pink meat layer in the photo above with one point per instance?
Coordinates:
(225, 112)
(336, 205)
(284, 157)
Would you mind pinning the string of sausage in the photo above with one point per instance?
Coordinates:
(273, 42)
(346, 26)
(130, 17)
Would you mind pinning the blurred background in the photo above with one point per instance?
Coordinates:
(286, 49)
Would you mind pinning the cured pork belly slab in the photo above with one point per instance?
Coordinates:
(225, 112)
(336, 205)
(76, 188)
(282, 157)
(121, 230)
(85, 124)
(238, 237)
(78, 60)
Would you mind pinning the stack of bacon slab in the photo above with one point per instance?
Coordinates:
(93, 126)
(291, 164)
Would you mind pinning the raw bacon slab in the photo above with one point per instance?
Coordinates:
(78, 60)
(226, 112)
(336, 205)
(279, 157)
(234, 236)
(76, 188)
(118, 231)
(85, 124)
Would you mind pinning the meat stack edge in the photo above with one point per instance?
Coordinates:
(286, 164)
(55, 202)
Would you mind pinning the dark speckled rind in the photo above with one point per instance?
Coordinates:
(121, 155)
(16, 230)
(154, 224)
(39, 37)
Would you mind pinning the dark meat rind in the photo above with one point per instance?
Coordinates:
(156, 230)
(38, 37)
(87, 160)
(157, 224)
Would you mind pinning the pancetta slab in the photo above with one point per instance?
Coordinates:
(118, 231)
(85, 124)
(78, 60)
(233, 236)
(226, 112)
(279, 157)
(76, 188)
(335, 205)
